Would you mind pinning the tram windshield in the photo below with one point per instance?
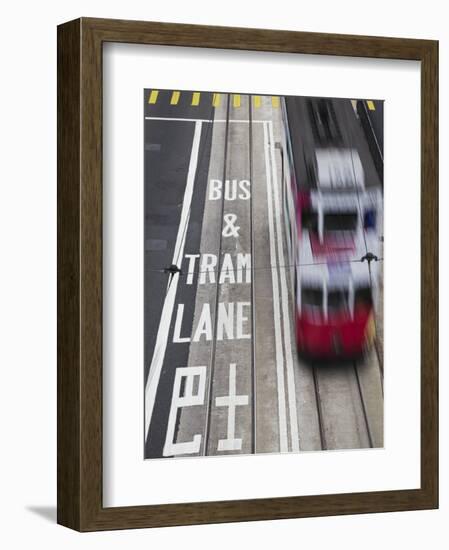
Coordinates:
(363, 297)
(312, 297)
(341, 221)
(337, 301)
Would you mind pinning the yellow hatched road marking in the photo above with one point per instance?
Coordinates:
(371, 105)
(174, 98)
(153, 96)
(196, 98)
(216, 100)
(257, 101)
(236, 100)
(275, 101)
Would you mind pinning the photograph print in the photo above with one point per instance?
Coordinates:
(263, 274)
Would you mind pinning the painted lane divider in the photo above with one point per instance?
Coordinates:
(174, 98)
(279, 356)
(216, 99)
(153, 96)
(196, 98)
(291, 391)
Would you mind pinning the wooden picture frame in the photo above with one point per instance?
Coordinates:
(80, 43)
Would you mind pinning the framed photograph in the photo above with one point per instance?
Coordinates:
(247, 274)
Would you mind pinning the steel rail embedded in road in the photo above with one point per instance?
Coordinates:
(346, 377)
(209, 396)
(253, 297)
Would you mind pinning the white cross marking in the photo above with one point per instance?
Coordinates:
(232, 401)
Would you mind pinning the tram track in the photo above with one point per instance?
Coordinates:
(253, 296)
(209, 397)
(328, 422)
(210, 393)
(319, 410)
(362, 401)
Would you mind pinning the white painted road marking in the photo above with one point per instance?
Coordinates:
(169, 302)
(283, 441)
(188, 399)
(230, 229)
(226, 318)
(233, 189)
(231, 443)
(233, 268)
(285, 309)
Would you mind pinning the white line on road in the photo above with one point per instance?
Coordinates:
(283, 440)
(167, 310)
(285, 308)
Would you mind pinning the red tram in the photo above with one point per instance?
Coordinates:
(333, 200)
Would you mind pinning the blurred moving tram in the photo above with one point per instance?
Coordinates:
(334, 223)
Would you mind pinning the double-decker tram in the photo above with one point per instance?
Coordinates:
(335, 233)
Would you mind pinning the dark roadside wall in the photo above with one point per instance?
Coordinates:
(372, 121)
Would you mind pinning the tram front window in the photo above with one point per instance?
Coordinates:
(363, 298)
(337, 301)
(312, 301)
(341, 221)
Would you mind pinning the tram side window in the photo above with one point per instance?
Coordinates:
(309, 220)
(312, 297)
(338, 301)
(369, 219)
(363, 297)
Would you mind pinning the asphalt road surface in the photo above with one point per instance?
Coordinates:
(222, 375)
